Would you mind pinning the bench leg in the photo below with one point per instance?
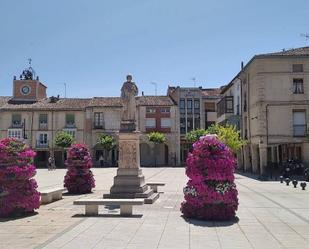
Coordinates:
(45, 199)
(154, 188)
(126, 210)
(92, 209)
(57, 196)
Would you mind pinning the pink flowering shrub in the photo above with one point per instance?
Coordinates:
(79, 178)
(18, 189)
(210, 193)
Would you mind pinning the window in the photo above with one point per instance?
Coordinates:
(150, 110)
(70, 120)
(189, 124)
(197, 106)
(189, 106)
(15, 133)
(42, 140)
(165, 110)
(150, 122)
(16, 120)
(298, 68)
(210, 107)
(197, 121)
(98, 120)
(182, 106)
(298, 86)
(166, 122)
(43, 121)
(182, 125)
(299, 123)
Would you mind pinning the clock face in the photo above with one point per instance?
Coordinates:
(25, 90)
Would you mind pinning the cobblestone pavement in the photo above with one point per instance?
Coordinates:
(270, 215)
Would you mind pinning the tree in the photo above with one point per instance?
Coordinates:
(107, 142)
(156, 138)
(227, 134)
(64, 140)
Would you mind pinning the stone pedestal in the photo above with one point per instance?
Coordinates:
(130, 181)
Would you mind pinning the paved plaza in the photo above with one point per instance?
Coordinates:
(270, 215)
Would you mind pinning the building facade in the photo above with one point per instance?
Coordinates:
(33, 117)
(274, 100)
(197, 110)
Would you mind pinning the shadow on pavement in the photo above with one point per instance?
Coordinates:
(107, 216)
(214, 223)
(18, 216)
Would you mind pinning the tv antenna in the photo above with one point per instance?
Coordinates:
(194, 81)
(155, 85)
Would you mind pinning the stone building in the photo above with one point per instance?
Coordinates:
(197, 110)
(274, 100)
(31, 116)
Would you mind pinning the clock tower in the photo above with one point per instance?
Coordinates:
(28, 89)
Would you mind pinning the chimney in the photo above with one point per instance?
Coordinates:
(142, 93)
(242, 65)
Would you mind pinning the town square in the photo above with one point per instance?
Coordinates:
(144, 124)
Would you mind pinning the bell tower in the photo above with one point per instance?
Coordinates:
(28, 89)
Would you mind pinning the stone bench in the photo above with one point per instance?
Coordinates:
(51, 194)
(154, 185)
(91, 205)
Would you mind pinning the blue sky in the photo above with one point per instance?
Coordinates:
(92, 45)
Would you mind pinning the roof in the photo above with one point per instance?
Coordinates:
(45, 104)
(302, 51)
(6, 103)
(211, 92)
(106, 102)
(154, 101)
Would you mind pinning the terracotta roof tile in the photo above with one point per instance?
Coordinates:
(106, 102)
(154, 101)
(211, 92)
(302, 51)
(45, 104)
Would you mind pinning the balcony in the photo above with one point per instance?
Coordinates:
(98, 126)
(43, 126)
(70, 125)
(42, 144)
(17, 124)
(225, 108)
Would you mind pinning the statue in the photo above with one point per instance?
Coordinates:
(128, 92)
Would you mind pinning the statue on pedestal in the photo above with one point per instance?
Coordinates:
(129, 91)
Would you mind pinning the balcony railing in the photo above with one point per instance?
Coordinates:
(42, 144)
(70, 125)
(17, 125)
(299, 130)
(98, 125)
(43, 126)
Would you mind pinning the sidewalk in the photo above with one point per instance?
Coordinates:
(270, 215)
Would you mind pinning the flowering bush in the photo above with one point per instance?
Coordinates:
(18, 192)
(79, 178)
(210, 192)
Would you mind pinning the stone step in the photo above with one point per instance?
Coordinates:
(151, 199)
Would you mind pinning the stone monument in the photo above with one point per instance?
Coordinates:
(129, 181)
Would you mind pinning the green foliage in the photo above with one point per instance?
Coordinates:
(106, 141)
(64, 139)
(194, 135)
(227, 134)
(156, 137)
